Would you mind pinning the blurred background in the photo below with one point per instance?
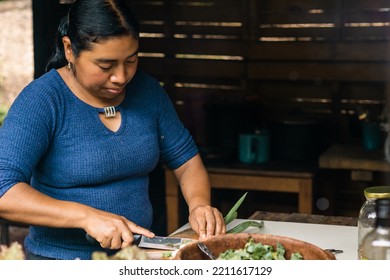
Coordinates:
(305, 83)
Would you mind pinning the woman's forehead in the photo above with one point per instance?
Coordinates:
(114, 48)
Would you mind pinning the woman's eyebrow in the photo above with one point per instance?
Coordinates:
(135, 53)
(107, 60)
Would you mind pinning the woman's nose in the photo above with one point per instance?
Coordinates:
(119, 76)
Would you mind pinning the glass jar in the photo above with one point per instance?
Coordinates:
(376, 244)
(367, 214)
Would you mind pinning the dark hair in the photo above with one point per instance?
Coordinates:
(91, 21)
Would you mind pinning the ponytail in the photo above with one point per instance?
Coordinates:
(58, 59)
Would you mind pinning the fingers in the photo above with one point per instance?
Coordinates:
(207, 221)
(200, 225)
(126, 240)
(116, 233)
(220, 227)
(215, 224)
(110, 241)
(128, 237)
(134, 228)
(210, 224)
(118, 240)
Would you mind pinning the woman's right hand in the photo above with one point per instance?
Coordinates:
(113, 231)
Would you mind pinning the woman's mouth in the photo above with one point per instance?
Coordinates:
(115, 90)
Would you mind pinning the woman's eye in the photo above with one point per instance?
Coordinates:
(105, 67)
(131, 61)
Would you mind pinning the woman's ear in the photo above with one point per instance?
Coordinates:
(67, 48)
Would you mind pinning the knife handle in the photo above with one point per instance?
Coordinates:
(90, 239)
(137, 239)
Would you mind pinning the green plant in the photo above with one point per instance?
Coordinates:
(3, 113)
(232, 214)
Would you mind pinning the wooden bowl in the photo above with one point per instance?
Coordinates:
(219, 244)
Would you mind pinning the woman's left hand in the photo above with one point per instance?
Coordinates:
(207, 221)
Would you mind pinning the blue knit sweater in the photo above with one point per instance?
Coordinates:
(57, 143)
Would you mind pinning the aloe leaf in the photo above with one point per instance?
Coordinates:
(244, 225)
(232, 214)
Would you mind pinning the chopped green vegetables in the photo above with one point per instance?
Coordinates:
(258, 251)
(167, 255)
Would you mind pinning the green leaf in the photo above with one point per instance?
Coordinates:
(296, 256)
(232, 214)
(280, 252)
(244, 225)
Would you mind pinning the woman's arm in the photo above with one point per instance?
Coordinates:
(195, 186)
(24, 204)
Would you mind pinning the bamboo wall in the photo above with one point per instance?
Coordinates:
(328, 57)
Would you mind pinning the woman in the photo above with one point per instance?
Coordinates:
(79, 142)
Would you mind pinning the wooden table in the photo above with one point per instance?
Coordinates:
(299, 182)
(354, 158)
(304, 218)
(360, 162)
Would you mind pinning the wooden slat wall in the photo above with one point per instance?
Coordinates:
(324, 57)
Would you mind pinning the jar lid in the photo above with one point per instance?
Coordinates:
(377, 192)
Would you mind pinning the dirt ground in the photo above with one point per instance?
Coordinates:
(16, 61)
(16, 48)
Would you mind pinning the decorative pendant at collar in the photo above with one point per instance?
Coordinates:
(109, 111)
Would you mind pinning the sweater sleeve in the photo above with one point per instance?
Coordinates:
(24, 136)
(176, 143)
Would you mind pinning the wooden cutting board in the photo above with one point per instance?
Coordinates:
(186, 233)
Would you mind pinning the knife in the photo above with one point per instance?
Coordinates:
(157, 242)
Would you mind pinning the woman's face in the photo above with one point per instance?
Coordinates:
(103, 71)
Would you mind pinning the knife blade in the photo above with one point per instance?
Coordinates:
(162, 242)
(157, 242)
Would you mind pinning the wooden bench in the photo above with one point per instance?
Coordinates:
(300, 183)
